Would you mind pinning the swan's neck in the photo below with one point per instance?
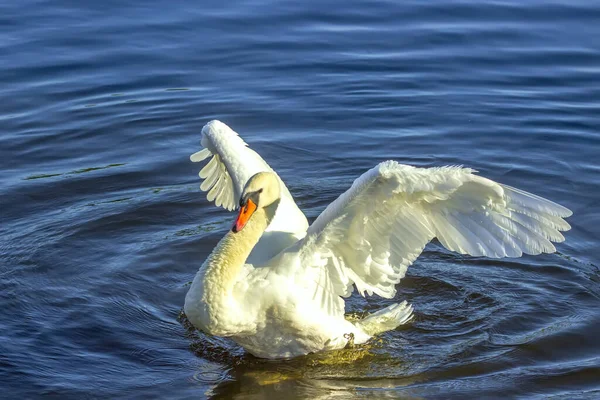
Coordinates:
(226, 262)
(212, 303)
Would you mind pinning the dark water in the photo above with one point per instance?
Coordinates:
(103, 226)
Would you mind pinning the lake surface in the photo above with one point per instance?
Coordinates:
(103, 225)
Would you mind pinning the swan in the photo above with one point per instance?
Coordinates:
(276, 285)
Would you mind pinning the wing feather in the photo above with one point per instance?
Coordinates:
(200, 155)
(230, 166)
(210, 169)
(371, 234)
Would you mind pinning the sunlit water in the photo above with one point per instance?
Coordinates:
(103, 225)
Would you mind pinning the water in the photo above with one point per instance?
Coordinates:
(103, 224)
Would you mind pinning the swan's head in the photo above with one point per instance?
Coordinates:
(261, 191)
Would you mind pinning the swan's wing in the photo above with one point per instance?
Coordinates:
(372, 233)
(231, 164)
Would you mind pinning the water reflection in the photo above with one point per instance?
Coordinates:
(346, 373)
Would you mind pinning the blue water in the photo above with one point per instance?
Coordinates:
(103, 224)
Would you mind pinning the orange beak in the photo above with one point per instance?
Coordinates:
(246, 212)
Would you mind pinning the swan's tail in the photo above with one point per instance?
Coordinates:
(387, 318)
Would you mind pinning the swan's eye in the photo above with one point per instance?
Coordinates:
(259, 191)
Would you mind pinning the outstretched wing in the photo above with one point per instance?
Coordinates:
(372, 233)
(230, 167)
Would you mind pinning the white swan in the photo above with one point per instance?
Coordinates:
(276, 286)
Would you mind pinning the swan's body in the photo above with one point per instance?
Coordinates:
(276, 285)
